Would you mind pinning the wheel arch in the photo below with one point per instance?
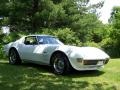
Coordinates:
(14, 49)
(58, 51)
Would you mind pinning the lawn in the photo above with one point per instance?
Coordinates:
(36, 77)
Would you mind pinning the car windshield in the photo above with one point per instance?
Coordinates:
(48, 40)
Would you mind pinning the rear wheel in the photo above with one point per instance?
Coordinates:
(60, 64)
(14, 57)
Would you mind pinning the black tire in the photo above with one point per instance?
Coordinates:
(60, 64)
(14, 57)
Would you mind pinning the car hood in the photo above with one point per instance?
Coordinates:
(88, 52)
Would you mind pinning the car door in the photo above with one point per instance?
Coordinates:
(31, 50)
(45, 48)
(36, 50)
(28, 48)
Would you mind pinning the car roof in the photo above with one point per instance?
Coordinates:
(42, 35)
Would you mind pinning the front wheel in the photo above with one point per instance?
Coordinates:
(14, 57)
(60, 64)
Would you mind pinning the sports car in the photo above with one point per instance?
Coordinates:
(48, 50)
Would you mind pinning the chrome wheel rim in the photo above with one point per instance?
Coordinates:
(12, 56)
(59, 65)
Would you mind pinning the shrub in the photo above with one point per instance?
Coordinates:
(5, 39)
(67, 36)
(92, 44)
(1, 51)
(111, 47)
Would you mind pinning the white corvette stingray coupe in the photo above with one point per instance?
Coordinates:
(48, 50)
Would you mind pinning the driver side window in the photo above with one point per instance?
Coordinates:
(30, 40)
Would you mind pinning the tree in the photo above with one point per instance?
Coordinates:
(115, 22)
(81, 18)
(35, 14)
(115, 32)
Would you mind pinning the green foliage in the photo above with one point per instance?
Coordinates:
(92, 44)
(34, 14)
(74, 22)
(1, 51)
(115, 22)
(4, 8)
(114, 19)
(87, 26)
(10, 38)
(107, 45)
(111, 47)
(67, 36)
(115, 32)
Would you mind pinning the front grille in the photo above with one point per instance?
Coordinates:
(90, 62)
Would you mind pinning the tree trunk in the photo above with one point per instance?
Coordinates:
(34, 10)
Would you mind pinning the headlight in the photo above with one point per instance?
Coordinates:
(79, 60)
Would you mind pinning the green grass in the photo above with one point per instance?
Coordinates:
(36, 77)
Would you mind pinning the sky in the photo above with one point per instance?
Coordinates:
(106, 9)
(6, 29)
